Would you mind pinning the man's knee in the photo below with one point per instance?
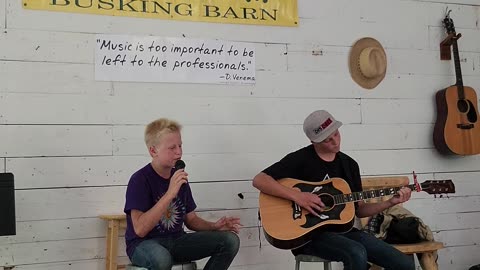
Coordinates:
(359, 256)
(231, 242)
(161, 263)
(151, 255)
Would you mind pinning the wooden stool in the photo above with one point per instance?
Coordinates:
(327, 265)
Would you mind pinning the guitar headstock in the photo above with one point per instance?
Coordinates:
(438, 186)
(448, 24)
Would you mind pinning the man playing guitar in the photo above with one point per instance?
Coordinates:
(319, 161)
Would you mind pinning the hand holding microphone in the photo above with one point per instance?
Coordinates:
(178, 178)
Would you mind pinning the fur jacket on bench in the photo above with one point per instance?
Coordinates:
(399, 212)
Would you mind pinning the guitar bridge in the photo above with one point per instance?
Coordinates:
(465, 126)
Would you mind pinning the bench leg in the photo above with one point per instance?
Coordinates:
(428, 261)
(112, 245)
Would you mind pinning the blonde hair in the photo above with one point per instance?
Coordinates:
(156, 129)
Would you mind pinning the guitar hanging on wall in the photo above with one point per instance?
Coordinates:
(457, 128)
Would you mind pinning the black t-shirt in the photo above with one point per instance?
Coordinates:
(304, 164)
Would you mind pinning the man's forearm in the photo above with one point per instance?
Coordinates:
(199, 224)
(370, 209)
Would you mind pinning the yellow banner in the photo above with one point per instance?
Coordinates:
(265, 12)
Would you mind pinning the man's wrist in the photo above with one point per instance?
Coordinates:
(391, 203)
(169, 196)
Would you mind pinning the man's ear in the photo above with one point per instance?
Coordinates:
(152, 150)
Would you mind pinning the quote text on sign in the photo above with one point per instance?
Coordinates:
(155, 59)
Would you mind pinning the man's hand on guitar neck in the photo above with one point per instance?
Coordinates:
(402, 196)
(311, 202)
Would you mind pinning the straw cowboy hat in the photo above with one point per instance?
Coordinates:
(367, 62)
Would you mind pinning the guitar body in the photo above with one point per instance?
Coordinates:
(288, 226)
(457, 128)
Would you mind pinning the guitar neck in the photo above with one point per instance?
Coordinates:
(458, 69)
(368, 194)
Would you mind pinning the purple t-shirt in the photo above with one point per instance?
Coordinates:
(144, 190)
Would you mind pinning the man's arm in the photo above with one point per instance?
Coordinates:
(370, 209)
(266, 184)
(144, 222)
(196, 223)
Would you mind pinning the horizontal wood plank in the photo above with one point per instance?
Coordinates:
(240, 111)
(65, 265)
(104, 171)
(56, 140)
(419, 247)
(54, 109)
(94, 201)
(128, 140)
(52, 78)
(83, 109)
(400, 111)
(95, 227)
(405, 161)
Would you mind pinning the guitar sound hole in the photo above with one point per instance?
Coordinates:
(463, 105)
(472, 113)
(327, 199)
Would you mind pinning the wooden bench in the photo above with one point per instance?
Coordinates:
(426, 248)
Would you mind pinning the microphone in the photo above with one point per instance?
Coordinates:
(179, 165)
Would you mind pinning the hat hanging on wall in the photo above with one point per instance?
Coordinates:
(367, 62)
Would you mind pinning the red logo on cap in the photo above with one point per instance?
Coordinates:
(324, 125)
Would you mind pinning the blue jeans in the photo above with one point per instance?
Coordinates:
(161, 253)
(355, 249)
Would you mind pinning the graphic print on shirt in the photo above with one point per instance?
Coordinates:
(173, 216)
(326, 177)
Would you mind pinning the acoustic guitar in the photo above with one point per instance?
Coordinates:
(456, 130)
(288, 226)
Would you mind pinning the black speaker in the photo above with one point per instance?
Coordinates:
(7, 204)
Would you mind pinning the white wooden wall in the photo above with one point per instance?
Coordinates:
(72, 142)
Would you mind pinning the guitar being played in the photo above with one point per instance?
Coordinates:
(322, 160)
(457, 128)
(288, 226)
